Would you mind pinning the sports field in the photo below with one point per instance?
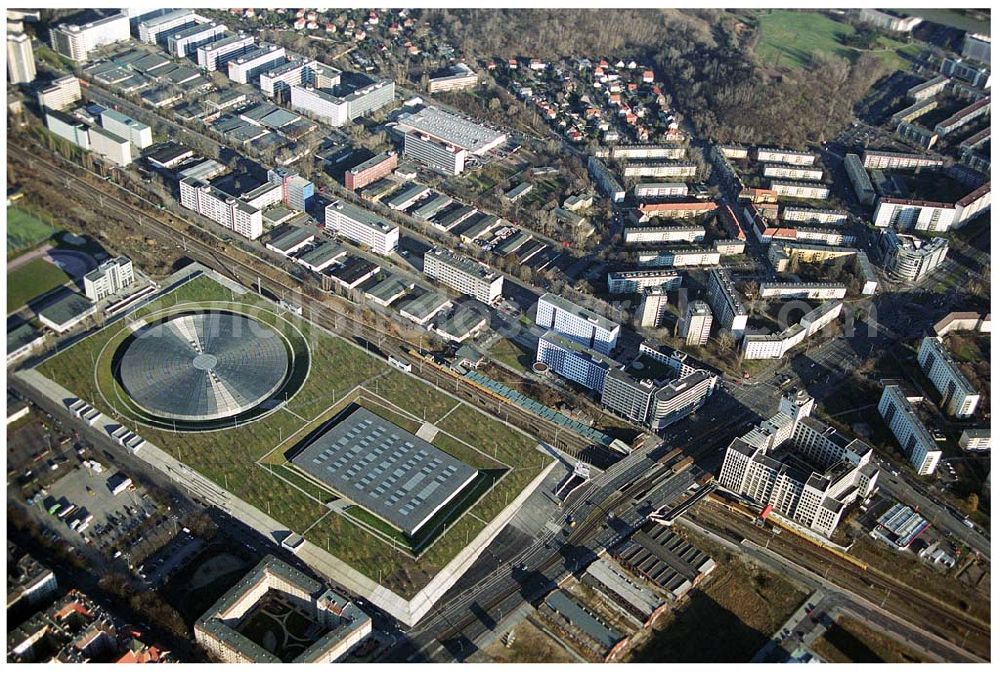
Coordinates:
(248, 460)
(24, 231)
(789, 39)
(32, 279)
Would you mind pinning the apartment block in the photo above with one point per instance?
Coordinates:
(216, 55)
(463, 274)
(577, 323)
(660, 190)
(20, 58)
(362, 226)
(976, 74)
(880, 159)
(802, 190)
(247, 68)
(60, 94)
(576, 362)
(958, 397)
(634, 281)
(109, 278)
(780, 156)
(658, 169)
(860, 180)
(928, 89)
(185, 42)
(914, 440)
(78, 41)
(605, 180)
(726, 302)
(296, 191)
(890, 20)
(216, 205)
(976, 46)
(776, 345)
(673, 209)
(792, 171)
(680, 257)
(805, 291)
(696, 324)
(665, 234)
(653, 307)
(139, 134)
(814, 215)
(975, 440)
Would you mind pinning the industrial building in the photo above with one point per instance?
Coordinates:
(336, 623)
(154, 29)
(109, 278)
(914, 440)
(216, 55)
(384, 469)
(434, 154)
(247, 68)
(137, 133)
(185, 42)
(958, 397)
(66, 312)
(463, 274)
(362, 226)
(451, 130)
(576, 323)
(370, 170)
(337, 104)
(277, 82)
(801, 468)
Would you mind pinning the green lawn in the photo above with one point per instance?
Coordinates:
(790, 38)
(24, 231)
(512, 354)
(229, 457)
(31, 280)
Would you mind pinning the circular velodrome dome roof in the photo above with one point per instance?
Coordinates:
(203, 366)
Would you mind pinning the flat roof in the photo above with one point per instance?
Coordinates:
(322, 253)
(362, 215)
(422, 307)
(66, 308)
(452, 129)
(568, 344)
(464, 264)
(21, 336)
(583, 619)
(569, 307)
(388, 471)
(369, 163)
(291, 237)
(388, 288)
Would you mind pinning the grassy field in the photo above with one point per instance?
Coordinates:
(25, 231)
(230, 457)
(32, 279)
(850, 641)
(790, 38)
(739, 600)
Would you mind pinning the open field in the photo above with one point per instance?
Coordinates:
(850, 640)
(32, 279)
(789, 39)
(231, 458)
(530, 645)
(24, 231)
(738, 599)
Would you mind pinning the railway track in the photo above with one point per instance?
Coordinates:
(325, 314)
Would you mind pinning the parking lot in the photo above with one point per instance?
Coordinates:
(128, 525)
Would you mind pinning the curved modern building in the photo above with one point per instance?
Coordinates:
(203, 366)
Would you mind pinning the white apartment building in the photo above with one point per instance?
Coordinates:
(447, 159)
(680, 257)
(139, 134)
(656, 169)
(779, 156)
(77, 42)
(216, 205)
(294, 73)
(696, 324)
(653, 307)
(805, 291)
(185, 42)
(60, 94)
(20, 58)
(215, 54)
(576, 323)
(665, 234)
(975, 440)
(800, 190)
(660, 190)
(153, 29)
(958, 397)
(681, 397)
(889, 20)
(914, 440)
(605, 180)
(627, 282)
(109, 278)
(793, 172)
(726, 302)
(246, 68)
(463, 274)
(362, 226)
(111, 146)
(879, 159)
(776, 345)
(813, 215)
(807, 472)
(574, 361)
(908, 258)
